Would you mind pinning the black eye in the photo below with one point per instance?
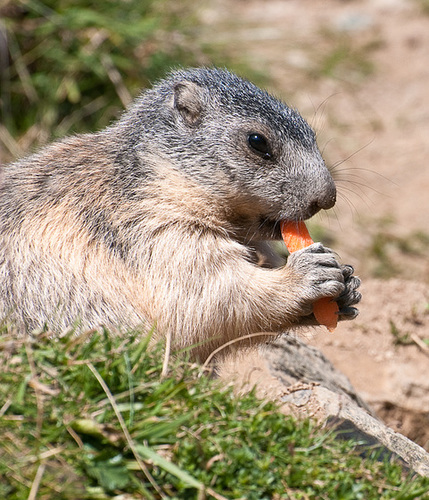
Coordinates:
(259, 144)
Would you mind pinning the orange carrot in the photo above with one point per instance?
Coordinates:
(296, 237)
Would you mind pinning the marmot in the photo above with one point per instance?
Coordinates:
(154, 220)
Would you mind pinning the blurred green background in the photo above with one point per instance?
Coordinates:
(70, 66)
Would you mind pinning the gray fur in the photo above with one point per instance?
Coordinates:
(153, 219)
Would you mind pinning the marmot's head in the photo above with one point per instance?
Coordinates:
(246, 147)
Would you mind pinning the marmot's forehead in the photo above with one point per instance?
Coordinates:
(240, 97)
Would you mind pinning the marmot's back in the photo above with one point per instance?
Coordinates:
(154, 219)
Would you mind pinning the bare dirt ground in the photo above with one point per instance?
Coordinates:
(359, 72)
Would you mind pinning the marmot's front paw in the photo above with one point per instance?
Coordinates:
(350, 296)
(319, 274)
(323, 276)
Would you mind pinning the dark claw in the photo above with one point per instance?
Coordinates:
(347, 313)
(349, 298)
(350, 295)
(347, 271)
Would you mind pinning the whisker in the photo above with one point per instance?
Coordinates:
(352, 207)
(351, 155)
(325, 146)
(335, 212)
(362, 196)
(318, 109)
(361, 186)
(366, 170)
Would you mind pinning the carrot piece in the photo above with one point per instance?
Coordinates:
(296, 237)
(325, 311)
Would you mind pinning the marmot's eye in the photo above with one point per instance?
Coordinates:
(260, 145)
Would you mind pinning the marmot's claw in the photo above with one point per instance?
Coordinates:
(347, 270)
(350, 296)
(347, 313)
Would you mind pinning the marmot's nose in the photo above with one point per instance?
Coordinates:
(324, 201)
(327, 200)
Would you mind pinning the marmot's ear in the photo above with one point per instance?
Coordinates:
(189, 100)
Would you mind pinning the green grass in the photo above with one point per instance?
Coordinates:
(73, 65)
(91, 417)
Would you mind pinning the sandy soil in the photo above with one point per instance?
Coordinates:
(359, 72)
